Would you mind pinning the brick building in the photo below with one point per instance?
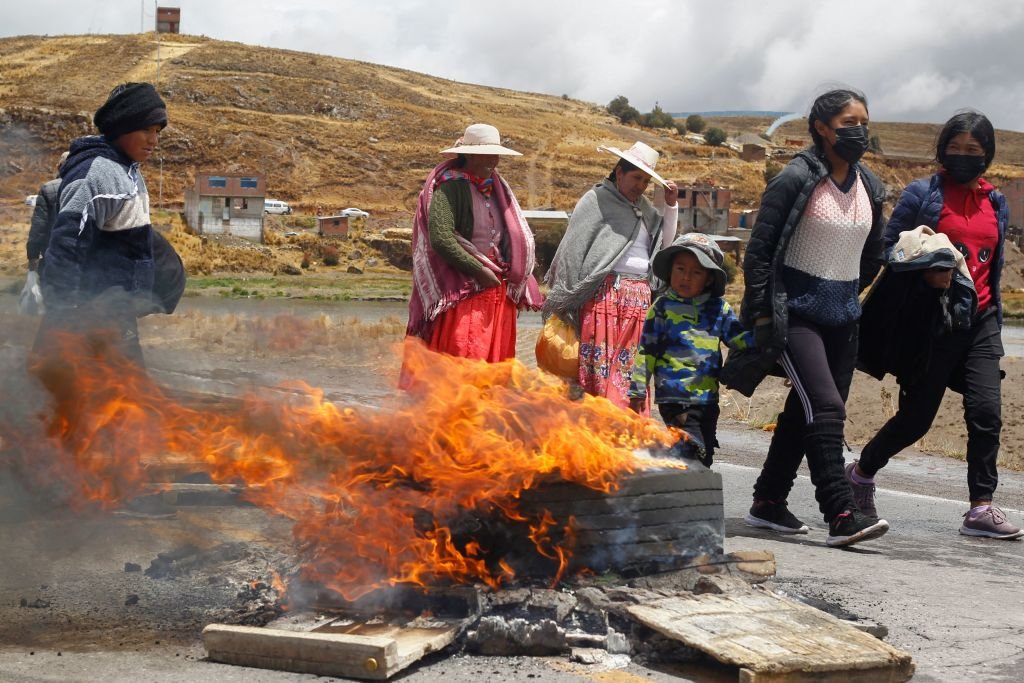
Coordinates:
(168, 20)
(226, 204)
(704, 208)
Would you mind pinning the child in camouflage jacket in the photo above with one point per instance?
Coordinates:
(681, 340)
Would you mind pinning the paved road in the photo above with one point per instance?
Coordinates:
(955, 603)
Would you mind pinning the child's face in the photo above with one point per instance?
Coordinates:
(139, 145)
(688, 277)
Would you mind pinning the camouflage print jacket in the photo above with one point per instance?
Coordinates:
(681, 347)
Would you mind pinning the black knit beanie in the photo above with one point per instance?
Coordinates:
(131, 106)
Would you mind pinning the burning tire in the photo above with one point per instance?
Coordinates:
(654, 521)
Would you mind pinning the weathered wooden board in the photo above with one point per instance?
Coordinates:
(351, 655)
(771, 638)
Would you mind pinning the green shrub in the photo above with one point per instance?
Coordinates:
(715, 136)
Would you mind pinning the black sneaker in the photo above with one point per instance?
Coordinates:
(853, 526)
(774, 516)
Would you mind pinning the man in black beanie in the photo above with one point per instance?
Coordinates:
(105, 264)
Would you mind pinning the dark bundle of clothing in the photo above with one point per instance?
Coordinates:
(903, 315)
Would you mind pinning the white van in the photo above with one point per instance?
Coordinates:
(275, 206)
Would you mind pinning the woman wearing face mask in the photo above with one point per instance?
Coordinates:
(960, 204)
(816, 245)
(600, 276)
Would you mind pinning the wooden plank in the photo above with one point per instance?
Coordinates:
(772, 638)
(622, 520)
(324, 654)
(413, 643)
(350, 655)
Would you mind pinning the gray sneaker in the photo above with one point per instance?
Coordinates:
(992, 523)
(863, 494)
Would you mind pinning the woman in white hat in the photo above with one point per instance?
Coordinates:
(473, 254)
(600, 278)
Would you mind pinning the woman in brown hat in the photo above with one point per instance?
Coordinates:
(600, 278)
(473, 254)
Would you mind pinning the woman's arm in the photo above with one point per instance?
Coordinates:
(666, 201)
(873, 254)
(441, 226)
(758, 263)
(904, 216)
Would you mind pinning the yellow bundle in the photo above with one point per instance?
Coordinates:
(558, 348)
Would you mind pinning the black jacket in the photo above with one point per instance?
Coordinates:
(782, 206)
(903, 316)
(43, 218)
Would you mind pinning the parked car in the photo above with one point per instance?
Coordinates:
(354, 213)
(31, 200)
(276, 206)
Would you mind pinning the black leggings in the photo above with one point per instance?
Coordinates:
(968, 362)
(819, 362)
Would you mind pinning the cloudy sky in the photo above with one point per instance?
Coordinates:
(917, 60)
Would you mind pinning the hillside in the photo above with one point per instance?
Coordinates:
(336, 133)
(324, 130)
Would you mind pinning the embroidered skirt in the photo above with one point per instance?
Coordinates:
(610, 327)
(482, 327)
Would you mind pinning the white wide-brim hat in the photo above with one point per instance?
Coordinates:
(481, 138)
(641, 156)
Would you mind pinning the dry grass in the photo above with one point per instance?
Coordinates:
(342, 133)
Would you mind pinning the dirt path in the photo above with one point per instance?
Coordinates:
(164, 52)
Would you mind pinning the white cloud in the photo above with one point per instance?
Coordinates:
(922, 93)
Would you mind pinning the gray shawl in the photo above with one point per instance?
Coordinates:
(603, 226)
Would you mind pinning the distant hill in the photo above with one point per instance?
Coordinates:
(339, 132)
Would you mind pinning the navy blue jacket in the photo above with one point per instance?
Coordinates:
(921, 204)
(102, 241)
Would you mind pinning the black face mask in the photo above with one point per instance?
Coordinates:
(851, 143)
(963, 168)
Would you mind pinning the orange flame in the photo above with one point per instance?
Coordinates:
(373, 493)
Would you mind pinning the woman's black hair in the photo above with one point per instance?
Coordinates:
(625, 166)
(828, 105)
(972, 122)
(460, 161)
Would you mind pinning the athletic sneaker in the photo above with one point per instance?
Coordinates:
(774, 516)
(863, 494)
(991, 523)
(853, 526)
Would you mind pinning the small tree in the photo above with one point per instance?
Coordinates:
(715, 136)
(681, 127)
(695, 123)
(621, 109)
(875, 144)
(658, 118)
